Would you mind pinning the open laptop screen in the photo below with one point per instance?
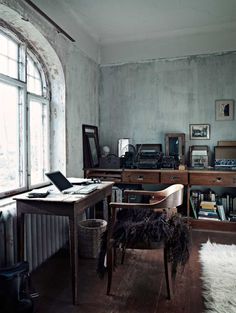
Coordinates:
(59, 180)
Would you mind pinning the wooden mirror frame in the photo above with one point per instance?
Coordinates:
(181, 145)
(91, 152)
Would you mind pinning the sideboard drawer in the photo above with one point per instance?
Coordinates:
(174, 177)
(140, 176)
(213, 179)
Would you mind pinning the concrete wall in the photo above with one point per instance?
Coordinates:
(74, 82)
(143, 101)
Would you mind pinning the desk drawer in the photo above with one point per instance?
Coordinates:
(141, 177)
(174, 178)
(213, 179)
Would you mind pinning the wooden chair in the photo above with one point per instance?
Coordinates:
(165, 201)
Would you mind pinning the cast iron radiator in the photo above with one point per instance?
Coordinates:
(44, 235)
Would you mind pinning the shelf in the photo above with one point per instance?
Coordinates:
(213, 225)
(114, 175)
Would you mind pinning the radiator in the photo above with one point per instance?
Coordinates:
(44, 235)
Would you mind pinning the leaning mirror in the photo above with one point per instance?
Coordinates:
(175, 146)
(93, 150)
(90, 146)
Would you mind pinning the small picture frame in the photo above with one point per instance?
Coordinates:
(224, 110)
(199, 131)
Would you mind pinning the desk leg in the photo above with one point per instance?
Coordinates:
(73, 237)
(188, 202)
(108, 207)
(20, 234)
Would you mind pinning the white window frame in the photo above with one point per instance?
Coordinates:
(21, 83)
(45, 102)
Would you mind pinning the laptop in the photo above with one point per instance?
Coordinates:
(64, 186)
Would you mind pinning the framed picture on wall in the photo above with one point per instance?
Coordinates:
(224, 110)
(199, 131)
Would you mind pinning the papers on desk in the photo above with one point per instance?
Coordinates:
(76, 180)
(63, 197)
(56, 195)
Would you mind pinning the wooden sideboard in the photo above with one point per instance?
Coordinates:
(188, 177)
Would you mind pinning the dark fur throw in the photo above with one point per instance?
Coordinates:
(143, 225)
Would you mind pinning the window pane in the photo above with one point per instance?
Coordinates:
(30, 83)
(9, 138)
(3, 64)
(34, 82)
(3, 45)
(8, 56)
(13, 50)
(38, 142)
(37, 87)
(12, 68)
(30, 66)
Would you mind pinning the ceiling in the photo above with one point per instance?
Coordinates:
(117, 31)
(127, 20)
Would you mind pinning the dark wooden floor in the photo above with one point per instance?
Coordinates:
(138, 285)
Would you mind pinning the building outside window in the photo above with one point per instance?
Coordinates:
(24, 117)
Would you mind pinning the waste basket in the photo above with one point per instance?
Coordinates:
(89, 237)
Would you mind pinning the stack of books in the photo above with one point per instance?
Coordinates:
(209, 205)
(208, 210)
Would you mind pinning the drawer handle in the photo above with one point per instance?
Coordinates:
(140, 177)
(174, 177)
(218, 179)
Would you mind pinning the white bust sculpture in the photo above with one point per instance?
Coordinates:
(105, 151)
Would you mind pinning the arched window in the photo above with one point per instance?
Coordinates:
(24, 117)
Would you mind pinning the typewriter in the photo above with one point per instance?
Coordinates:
(149, 156)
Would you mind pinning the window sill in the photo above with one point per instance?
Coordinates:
(6, 201)
(9, 200)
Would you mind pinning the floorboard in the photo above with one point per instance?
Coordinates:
(138, 285)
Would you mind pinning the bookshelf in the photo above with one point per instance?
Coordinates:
(208, 205)
(212, 179)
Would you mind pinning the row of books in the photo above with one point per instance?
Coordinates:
(208, 205)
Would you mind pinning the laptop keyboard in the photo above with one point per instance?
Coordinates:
(82, 189)
(87, 189)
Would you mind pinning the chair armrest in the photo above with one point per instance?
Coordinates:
(155, 194)
(139, 192)
(126, 205)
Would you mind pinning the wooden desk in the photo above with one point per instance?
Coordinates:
(63, 205)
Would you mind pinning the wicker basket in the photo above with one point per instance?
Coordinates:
(89, 237)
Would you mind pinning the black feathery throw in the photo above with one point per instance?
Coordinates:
(133, 226)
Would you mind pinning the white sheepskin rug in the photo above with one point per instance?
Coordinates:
(219, 277)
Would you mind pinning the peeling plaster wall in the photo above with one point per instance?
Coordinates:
(82, 93)
(74, 83)
(143, 101)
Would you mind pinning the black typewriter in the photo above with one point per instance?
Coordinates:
(149, 156)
